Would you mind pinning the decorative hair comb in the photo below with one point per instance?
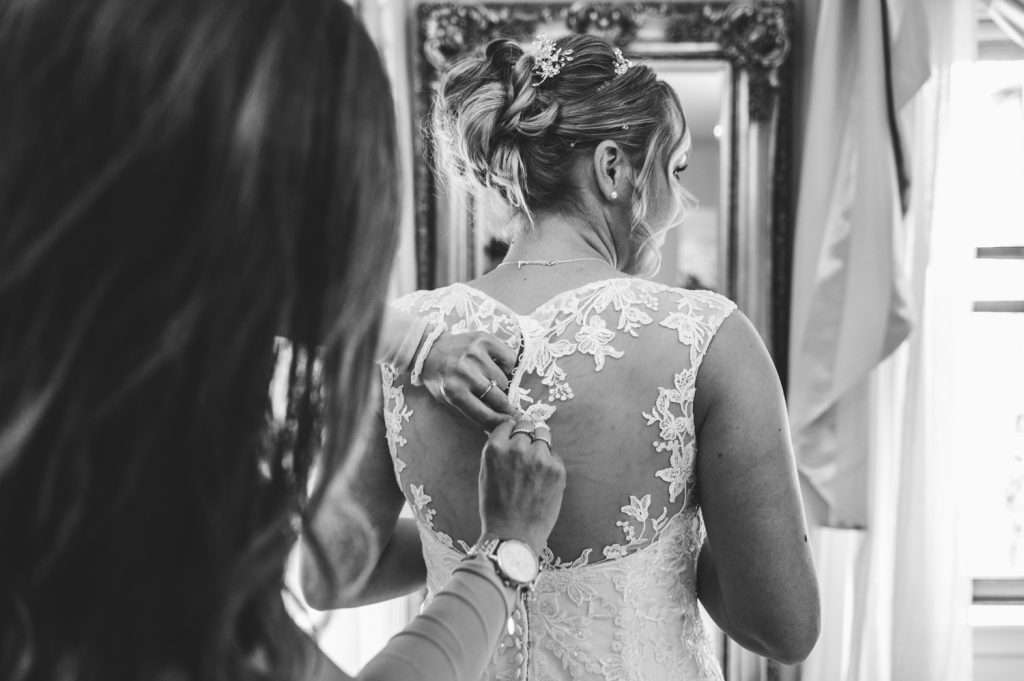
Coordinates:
(549, 60)
(621, 63)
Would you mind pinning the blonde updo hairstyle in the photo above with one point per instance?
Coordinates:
(497, 127)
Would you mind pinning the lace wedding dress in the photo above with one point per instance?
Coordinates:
(611, 367)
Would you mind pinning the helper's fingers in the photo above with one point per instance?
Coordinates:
(474, 409)
(542, 434)
(503, 430)
(523, 428)
(489, 367)
(502, 354)
(497, 398)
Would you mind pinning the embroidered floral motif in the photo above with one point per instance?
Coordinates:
(543, 331)
(631, 319)
(593, 339)
(425, 514)
(677, 475)
(637, 508)
(538, 413)
(420, 502)
(676, 429)
(395, 414)
(636, 530)
(540, 358)
(550, 561)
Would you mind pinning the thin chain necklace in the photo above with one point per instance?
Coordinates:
(548, 263)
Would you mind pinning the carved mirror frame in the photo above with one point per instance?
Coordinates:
(752, 36)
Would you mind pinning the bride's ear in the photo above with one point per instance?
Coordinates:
(612, 171)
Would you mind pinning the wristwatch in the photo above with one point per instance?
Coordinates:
(517, 564)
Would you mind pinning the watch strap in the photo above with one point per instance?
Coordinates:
(481, 565)
(489, 549)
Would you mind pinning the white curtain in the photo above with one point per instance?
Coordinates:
(850, 306)
(885, 457)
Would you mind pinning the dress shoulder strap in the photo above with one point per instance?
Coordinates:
(696, 319)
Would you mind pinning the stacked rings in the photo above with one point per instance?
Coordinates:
(534, 431)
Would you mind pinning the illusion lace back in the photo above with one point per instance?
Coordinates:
(611, 367)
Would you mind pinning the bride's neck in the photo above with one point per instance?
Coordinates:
(557, 237)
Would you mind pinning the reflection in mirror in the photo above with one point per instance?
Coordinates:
(696, 253)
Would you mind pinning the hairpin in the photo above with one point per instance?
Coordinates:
(549, 60)
(621, 63)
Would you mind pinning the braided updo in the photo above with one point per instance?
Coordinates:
(496, 126)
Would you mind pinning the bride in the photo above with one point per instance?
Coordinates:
(662, 402)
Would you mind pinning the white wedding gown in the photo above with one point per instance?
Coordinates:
(611, 367)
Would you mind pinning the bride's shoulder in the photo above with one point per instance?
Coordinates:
(695, 302)
(423, 300)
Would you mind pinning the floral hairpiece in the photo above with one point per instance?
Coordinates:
(549, 60)
(621, 64)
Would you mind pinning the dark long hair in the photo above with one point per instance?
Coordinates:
(181, 181)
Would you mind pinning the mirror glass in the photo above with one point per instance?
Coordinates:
(695, 254)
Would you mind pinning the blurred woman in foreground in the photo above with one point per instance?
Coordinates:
(180, 183)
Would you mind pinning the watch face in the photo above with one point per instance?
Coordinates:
(517, 561)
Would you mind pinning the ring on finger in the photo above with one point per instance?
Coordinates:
(524, 427)
(540, 438)
(492, 384)
(542, 433)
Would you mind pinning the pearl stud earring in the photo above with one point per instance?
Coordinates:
(615, 195)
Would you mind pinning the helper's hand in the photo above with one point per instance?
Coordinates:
(521, 484)
(468, 372)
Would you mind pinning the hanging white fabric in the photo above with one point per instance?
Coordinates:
(850, 305)
(895, 595)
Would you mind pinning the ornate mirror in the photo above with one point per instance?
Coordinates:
(727, 61)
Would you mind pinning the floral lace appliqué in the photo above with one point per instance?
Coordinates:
(395, 414)
(636, 525)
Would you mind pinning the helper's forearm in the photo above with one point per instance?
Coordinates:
(453, 638)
